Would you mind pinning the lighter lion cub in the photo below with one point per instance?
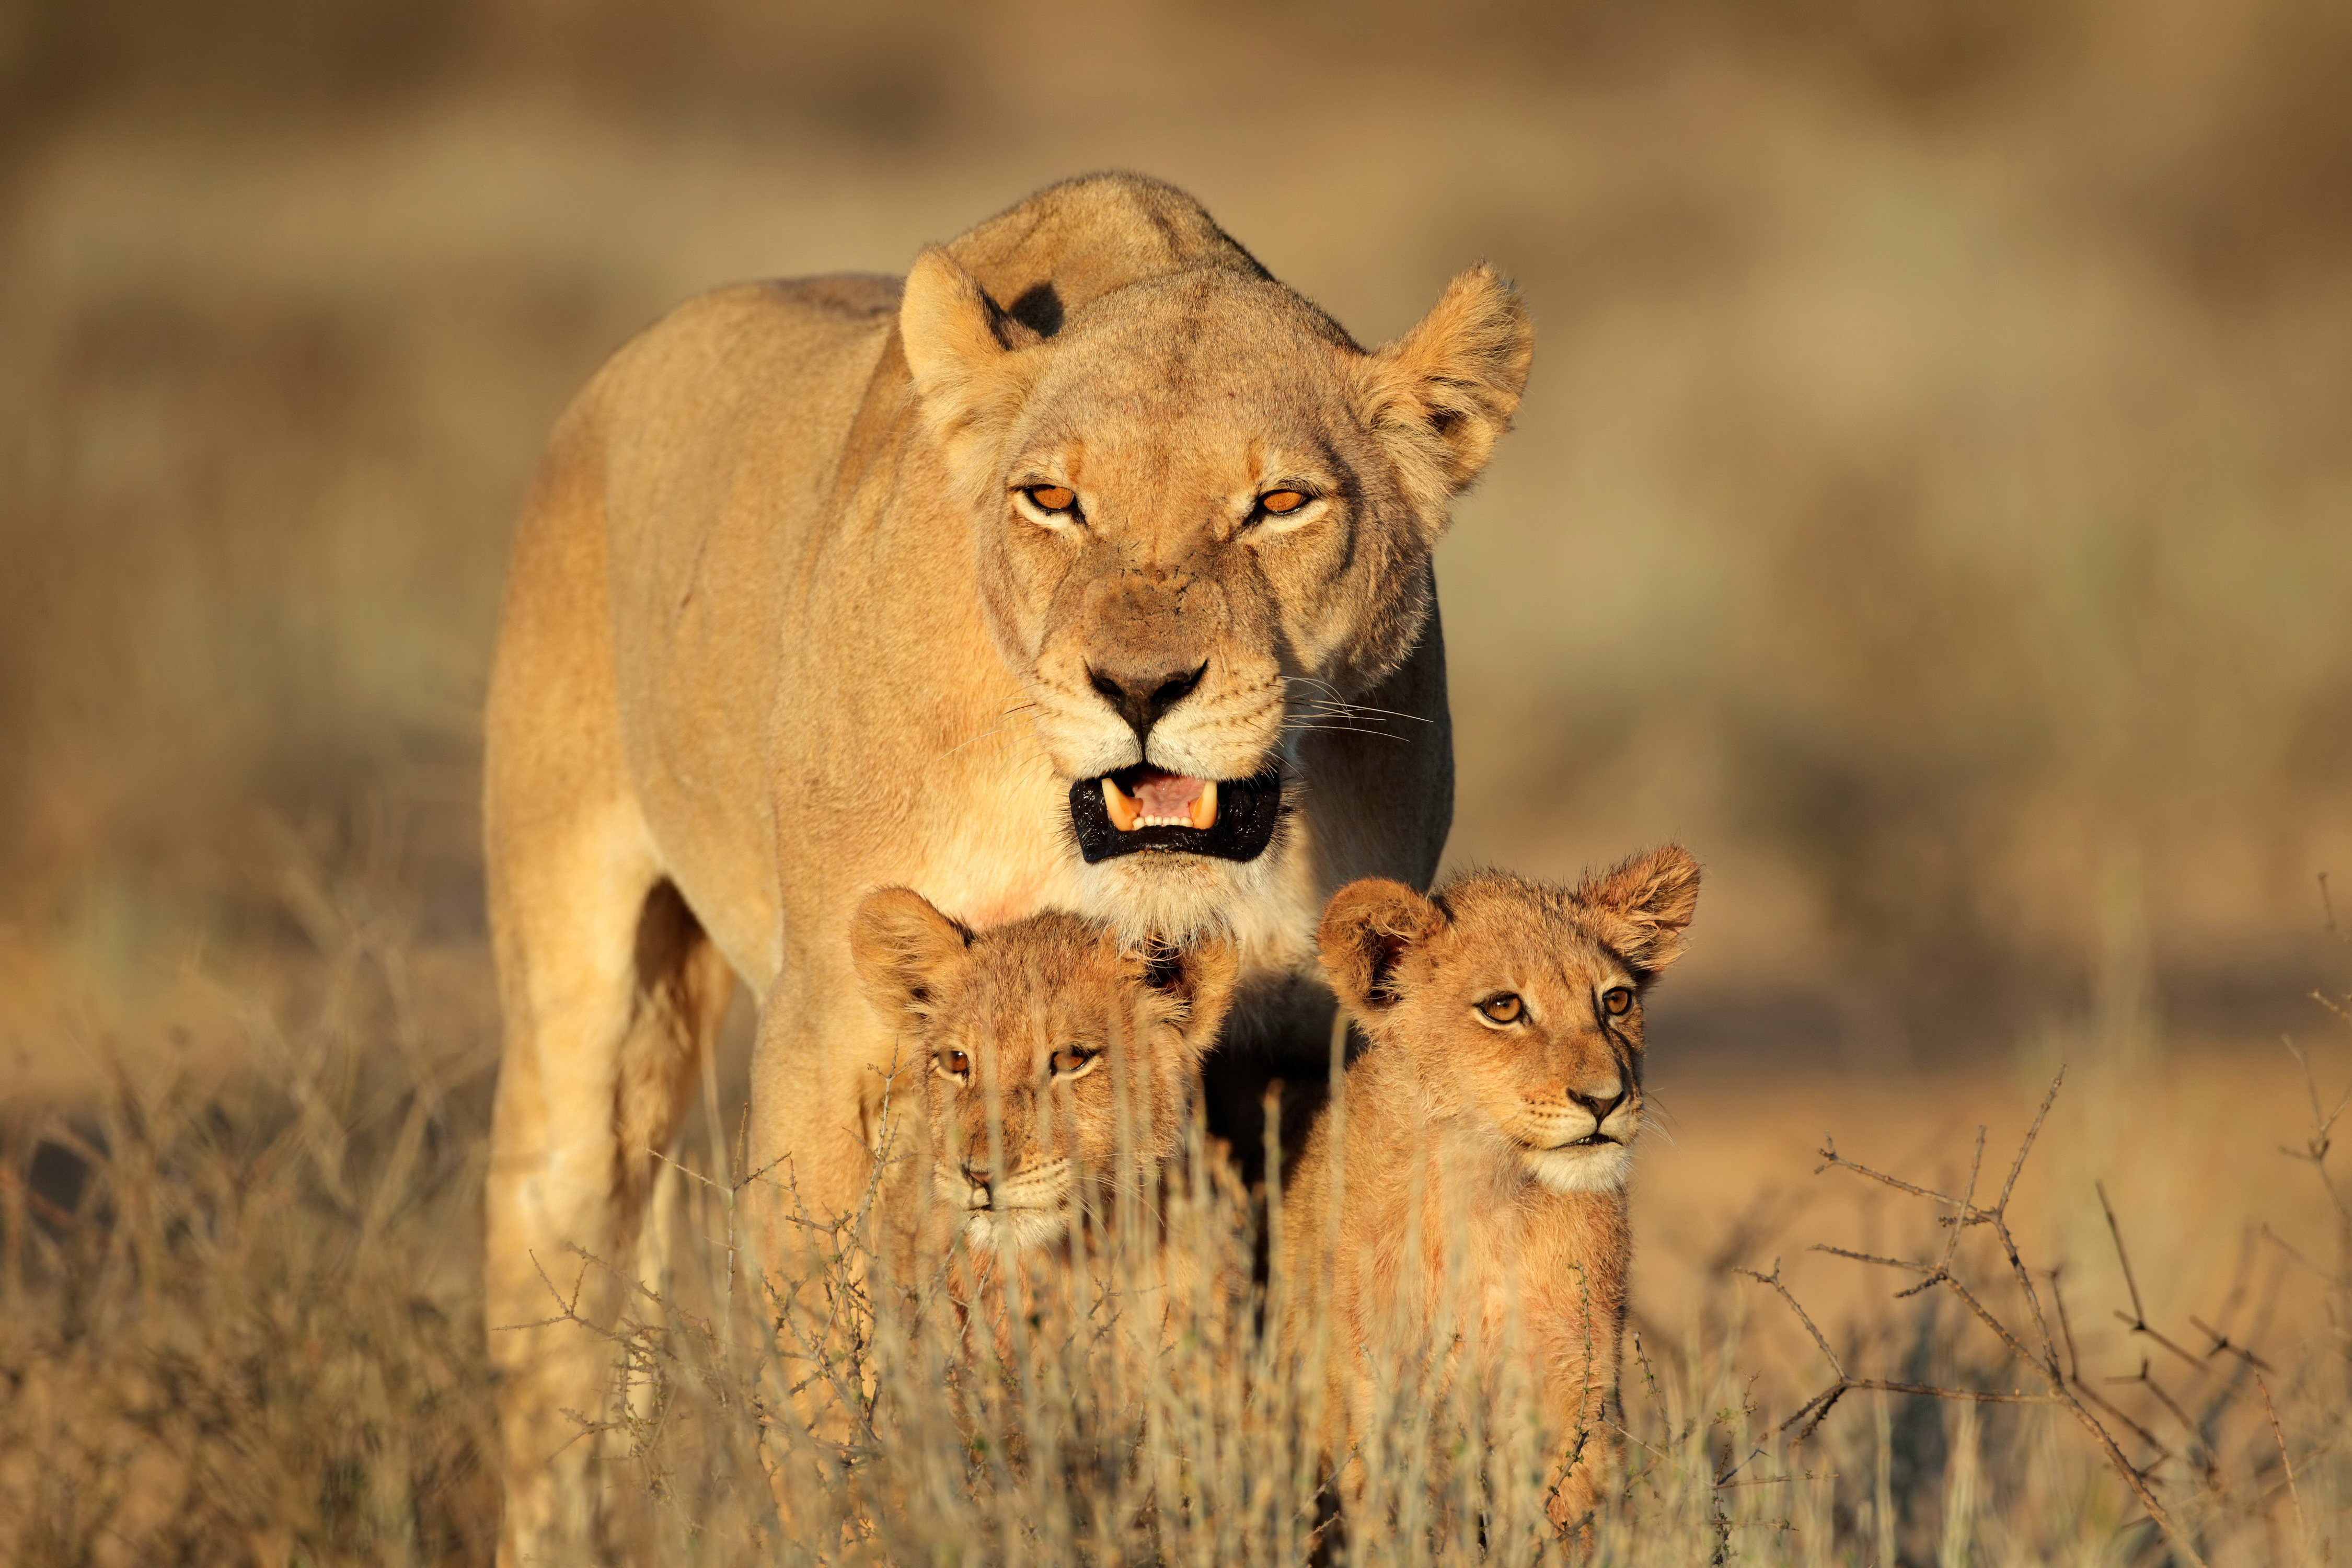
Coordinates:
(1492, 1121)
(1049, 1021)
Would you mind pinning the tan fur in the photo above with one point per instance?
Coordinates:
(1010, 1151)
(1459, 1188)
(778, 631)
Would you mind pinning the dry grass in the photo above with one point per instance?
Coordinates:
(2007, 1423)
(243, 1326)
(244, 1318)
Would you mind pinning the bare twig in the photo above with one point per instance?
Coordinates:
(2302, 1524)
(2222, 1346)
(1966, 1204)
(2062, 1384)
(1774, 1280)
(2137, 1319)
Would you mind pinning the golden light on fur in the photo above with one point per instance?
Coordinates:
(1484, 1143)
(1025, 1129)
(743, 676)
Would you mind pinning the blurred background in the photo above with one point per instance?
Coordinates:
(1933, 502)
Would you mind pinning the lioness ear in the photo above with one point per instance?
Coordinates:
(1646, 904)
(1201, 975)
(907, 953)
(1440, 396)
(959, 349)
(1367, 927)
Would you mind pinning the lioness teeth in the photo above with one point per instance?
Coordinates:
(1204, 806)
(1125, 814)
(1162, 800)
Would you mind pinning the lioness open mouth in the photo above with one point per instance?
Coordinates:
(1145, 808)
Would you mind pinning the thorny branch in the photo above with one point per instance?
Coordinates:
(2063, 1389)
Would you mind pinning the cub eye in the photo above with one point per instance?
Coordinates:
(952, 1064)
(1280, 502)
(1618, 1000)
(1503, 1009)
(1052, 498)
(1069, 1061)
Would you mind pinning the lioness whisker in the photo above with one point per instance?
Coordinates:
(983, 735)
(1341, 729)
(1340, 705)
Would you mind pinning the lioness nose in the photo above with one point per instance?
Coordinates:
(1141, 697)
(977, 1176)
(1598, 1107)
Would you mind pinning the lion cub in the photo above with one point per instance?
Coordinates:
(1045, 1023)
(1489, 1127)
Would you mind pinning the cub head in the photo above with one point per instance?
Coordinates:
(1026, 1039)
(1518, 1004)
(1200, 509)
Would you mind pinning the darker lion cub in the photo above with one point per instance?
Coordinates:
(1487, 1135)
(1025, 1040)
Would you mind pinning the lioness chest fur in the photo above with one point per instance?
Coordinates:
(1467, 1194)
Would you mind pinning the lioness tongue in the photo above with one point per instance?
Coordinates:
(1162, 800)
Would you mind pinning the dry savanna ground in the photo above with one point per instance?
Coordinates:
(1931, 505)
(245, 1325)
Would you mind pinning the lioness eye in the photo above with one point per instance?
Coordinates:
(1280, 502)
(953, 1064)
(1618, 1000)
(1072, 1060)
(1050, 497)
(1503, 1009)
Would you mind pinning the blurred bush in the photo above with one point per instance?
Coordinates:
(1932, 501)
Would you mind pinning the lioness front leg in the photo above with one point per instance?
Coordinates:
(610, 993)
(600, 1058)
(817, 1207)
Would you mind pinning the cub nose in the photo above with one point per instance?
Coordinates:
(1141, 697)
(978, 1177)
(1598, 1107)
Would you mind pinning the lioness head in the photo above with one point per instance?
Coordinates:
(1043, 1028)
(1199, 507)
(1519, 1005)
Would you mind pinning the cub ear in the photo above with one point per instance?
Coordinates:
(1647, 901)
(959, 349)
(1441, 395)
(907, 953)
(1200, 975)
(1367, 927)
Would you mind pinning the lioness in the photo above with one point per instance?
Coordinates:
(1487, 1137)
(1029, 1045)
(1089, 568)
